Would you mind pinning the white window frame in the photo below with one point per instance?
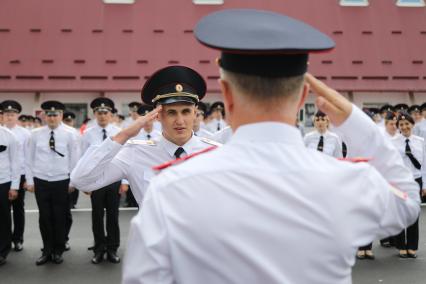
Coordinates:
(360, 3)
(118, 1)
(208, 2)
(420, 3)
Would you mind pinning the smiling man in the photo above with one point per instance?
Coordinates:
(175, 92)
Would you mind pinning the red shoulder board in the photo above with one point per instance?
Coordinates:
(174, 162)
(356, 159)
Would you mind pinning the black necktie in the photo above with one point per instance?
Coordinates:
(179, 151)
(104, 136)
(320, 146)
(218, 126)
(410, 155)
(52, 144)
(3, 148)
(148, 137)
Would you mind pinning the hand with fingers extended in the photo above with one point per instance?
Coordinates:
(136, 126)
(13, 194)
(329, 101)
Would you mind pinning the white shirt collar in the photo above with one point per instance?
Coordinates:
(171, 147)
(268, 132)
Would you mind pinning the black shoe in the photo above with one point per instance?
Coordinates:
(113, 257)
(411, 255)
(18, 246)
(67, 246)
(403, 255)
(98, 258)
(2, 260)
(57, 258)
(43, 259)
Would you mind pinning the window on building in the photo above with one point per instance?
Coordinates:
(410, 3)
(119, 1)
(354, 2)
(208, 2)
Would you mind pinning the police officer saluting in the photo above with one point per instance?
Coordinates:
(11, 112)
(175, 91)
(9, 185)
(107, 197)
(280, 210)
(52, 154)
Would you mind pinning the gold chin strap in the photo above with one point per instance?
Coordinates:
(171, 95)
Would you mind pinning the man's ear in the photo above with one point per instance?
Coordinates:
(228, 96)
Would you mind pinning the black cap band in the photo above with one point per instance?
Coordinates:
(265, 65)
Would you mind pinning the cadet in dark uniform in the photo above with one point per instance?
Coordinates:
(53, 152)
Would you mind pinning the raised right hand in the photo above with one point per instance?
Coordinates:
(136, 126)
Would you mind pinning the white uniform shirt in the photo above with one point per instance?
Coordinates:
(94, 136)
(45, 164)
(265, 209)
(418, 149)
(223, 136)
(420, 129)
(216, 125)
(10, 162)
(204, 133)
(109, 162)
(22, 134)
(143, 135)
(332, 142)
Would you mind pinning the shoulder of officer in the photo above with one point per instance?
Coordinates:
(210, 141)
(38, 130)
(415, 137)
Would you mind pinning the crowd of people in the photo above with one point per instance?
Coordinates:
(252, 197)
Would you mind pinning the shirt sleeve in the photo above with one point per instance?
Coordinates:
(367, 141)
(338, 149)
(423, 163)
(148, 255)
(15, 162)
(30, 151)
(99, 167)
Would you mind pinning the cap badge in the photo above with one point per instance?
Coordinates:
(179, 87)
(9, 107)
(52, 108)
(102, 105)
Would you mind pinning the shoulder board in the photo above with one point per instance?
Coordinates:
(177, 161)
(356, 159)
(36, 129)
(141, 142)
(210, 142)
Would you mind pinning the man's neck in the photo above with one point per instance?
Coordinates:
(10, 125)
(177, 142)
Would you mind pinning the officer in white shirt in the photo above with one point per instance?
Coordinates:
(147, 132)
(175, 91)
(416, 113)
(283, 218)
(133, 108)
(9, 184)
(106, 198)
(217, 113)
(223, 136)
(323, 140)
(391, 130)
(412, 149)
(11, 111)
(53, 151)
(199, 121)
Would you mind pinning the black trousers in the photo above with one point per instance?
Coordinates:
(107, 198)
(130, 199)
(68, 221)
(74, 198)
(409, 237)
(53, 205)
(18, 206)
(5, 220)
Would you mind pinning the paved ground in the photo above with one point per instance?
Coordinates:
(77, 268)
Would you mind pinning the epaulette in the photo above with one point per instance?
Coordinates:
(141, 142)
(356, 159)
(210, 142)
(177, 161)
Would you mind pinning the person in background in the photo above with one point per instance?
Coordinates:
(9, 184)
(106, 198)
(69, 119)
(11, 110)
(53, 151)
(199, 126)
(133, 115)
(217, 117)
(37, 122)
(321, 139)
(413, 153)
(401, 108)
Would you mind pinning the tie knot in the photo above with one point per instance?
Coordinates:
(51, 132)
(179, 151)
(407, 140)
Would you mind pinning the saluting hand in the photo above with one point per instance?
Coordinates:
(136, 126)
(329, 101)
